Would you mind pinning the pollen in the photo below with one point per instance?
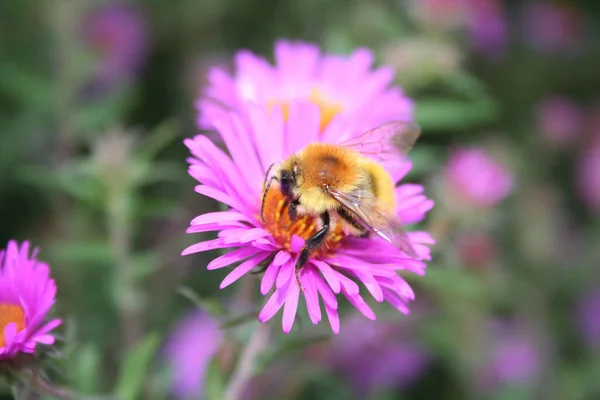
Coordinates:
(281, 227)
(10, 313)
(328, 108)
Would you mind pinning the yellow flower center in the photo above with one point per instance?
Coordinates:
(328, 108)
(279, 225)
(10, 313)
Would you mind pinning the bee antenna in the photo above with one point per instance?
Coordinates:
(267, 185)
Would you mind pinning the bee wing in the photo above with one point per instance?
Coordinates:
(390, 140)
(375, 221)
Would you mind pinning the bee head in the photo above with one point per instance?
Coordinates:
(287, 182)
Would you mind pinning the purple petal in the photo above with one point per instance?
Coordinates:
(243, 268)
(358, 302)
(290, 308)
(205, 246)
(232, 257)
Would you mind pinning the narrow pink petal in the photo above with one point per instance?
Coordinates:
(371, 284)
(307, 277)
(334, 319)
(348, 284)
(285, 274)
(326, 293)
(205, 246)
(10, 333)
(49, 326)
(242, 269)
(268, 278)
(274, 304)
(329, 274)
(281, 258)
(44, 339)
(358, 302)
(219, 216)
(232, 257)
(218, 195)
(253, 234)
(291, 307)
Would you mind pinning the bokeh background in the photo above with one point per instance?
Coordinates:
(96, 98)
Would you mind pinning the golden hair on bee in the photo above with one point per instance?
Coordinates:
(346, 183)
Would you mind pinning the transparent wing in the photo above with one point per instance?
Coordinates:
(391, 140)
(375, 221)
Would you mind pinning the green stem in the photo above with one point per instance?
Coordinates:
(244, 370)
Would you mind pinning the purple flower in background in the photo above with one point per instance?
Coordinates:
(237, 181)
(26, 296)
(487, 26)
(552, 27)
(515, 357)
(474, 178)
(190, 349)
(560, 120)
(375, 356)
(341, 86)
(589, 318)
(117, 35)
(588, 171)
(442, 14)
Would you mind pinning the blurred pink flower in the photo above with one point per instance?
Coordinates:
(487, 26)
(560, 120)
(237, 181)
(475, 178)
(191, 347)
(117, 34)
(515, 357)
(552, 27)
(588, 171)
(589, 318)
(342, 86)
(27, 293)
(376, 356)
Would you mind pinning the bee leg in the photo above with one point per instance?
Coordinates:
(352, 221)
(312, 243)
(293, 210)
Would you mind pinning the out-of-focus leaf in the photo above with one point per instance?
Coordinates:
(454, 281)
(212, 306)
(158, 138)
(238, 320)
(215, 382)
(85, 368)
(425, 159)
(27, 87)
(291, 345)
(103, 114)
(145, 264)
(444, 114)
(83, 253)
(135, 367)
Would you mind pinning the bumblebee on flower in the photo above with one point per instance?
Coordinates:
(325, 251)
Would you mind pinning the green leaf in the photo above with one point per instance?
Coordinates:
(291, 345)
(86, 368)
(212, 306)
(215, 382)
(238, 320)
(159, 138)
(135, 366)
(27, 87)
(444, 114)
(83, 253)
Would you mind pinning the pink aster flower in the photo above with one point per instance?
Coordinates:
(342, 86)
(487, 26)
(117, 34)
(560, 120)
(475, 178)
(190, 349)
(26, 295)
(237, 181)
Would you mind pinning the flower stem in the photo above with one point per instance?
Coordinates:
(244, 370)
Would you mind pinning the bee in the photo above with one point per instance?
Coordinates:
(346, 183)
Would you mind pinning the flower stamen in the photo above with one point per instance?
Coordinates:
(10, 313)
